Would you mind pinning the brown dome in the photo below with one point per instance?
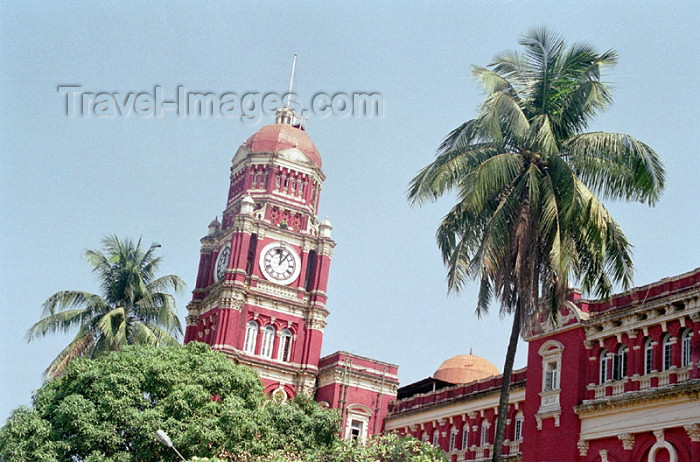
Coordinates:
(276, 137)
(465, 369)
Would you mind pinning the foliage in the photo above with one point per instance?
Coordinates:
(134, 308)
(385, 448)
(528, 220)
(108, 409)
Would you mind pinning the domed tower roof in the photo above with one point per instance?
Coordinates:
(280, 136)
(465, 369)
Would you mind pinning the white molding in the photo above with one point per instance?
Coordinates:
(653, 416)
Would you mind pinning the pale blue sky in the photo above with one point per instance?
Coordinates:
(66, 182)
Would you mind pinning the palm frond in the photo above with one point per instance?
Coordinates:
(68, 299)
(112, 327)
(62, 321)
(616, 166)
(166, 283)
(151, 334)
(79, 348)
(446, 172)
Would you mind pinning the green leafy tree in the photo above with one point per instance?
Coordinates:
(108, 409)
(384, 448)
(528, 178)
(134, 308)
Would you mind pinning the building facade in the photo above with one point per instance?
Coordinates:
(609, 381)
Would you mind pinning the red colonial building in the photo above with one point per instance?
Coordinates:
(609, 381)
(260, 295)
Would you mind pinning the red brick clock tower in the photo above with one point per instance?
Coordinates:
(260, 294)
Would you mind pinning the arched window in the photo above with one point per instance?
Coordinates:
(668, 349)
(285, 348)
(620, 363)
(424, 438)
(648, 356)
(604, 366)
(267, 341)
(453, 438)
(436, 438)
(484, 434)
(465, 435)
(251, 337)
(685, 348)
(518, 428)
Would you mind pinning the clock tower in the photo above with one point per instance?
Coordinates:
(260, 294)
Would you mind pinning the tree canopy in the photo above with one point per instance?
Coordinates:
(108, 409)
(135, 306)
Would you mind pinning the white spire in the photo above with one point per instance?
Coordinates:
(285, 114)
(291, 80)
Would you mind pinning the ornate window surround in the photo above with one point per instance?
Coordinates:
(551, 352)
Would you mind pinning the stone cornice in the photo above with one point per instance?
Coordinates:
(638, 317)
(245, 158)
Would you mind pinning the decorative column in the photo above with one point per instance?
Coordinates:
(582, 449)
(627, 440)
(694, 435)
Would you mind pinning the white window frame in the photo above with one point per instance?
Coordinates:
(518, 430)
(436, 438)
(465, 435)
(360, 429)
(268, 340)
(484, 437)
(619, 370)
(284, 352)
(251, 337)
(359, 413)
(604, 375)
(667, 350)
(453, 438)
(685, 348)
(551, 375)
(648, 356)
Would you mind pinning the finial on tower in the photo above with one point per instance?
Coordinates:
(285, 114)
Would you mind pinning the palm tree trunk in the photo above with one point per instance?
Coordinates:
(505, 387)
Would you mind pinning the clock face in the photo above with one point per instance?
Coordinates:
(280, 263)
(222, 262)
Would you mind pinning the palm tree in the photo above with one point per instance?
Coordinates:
(528, 220)
(134, 308)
